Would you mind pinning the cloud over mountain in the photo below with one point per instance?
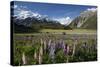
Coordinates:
(92, 9)
(21, 12)
(64, 20)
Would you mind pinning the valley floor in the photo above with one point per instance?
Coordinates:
(48, 46)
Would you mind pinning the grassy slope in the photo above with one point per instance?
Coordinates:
(91, 23)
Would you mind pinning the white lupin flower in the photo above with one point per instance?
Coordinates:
(68, 49)
(52, 51)
(35, 55)
(45, 44)
(40, 54)
(49, 45)
(41, 41)
(23, 58)
(74, 47)
(40, 59)
(49, 42)
(63, 45)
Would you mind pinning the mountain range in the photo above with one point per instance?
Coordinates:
(33, 23)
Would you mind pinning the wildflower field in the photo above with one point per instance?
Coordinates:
(51, 48)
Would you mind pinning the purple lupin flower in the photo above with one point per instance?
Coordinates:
(56, 45)
(59, 45)
(65, 50)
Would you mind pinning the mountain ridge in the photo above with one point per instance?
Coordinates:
(85, 20)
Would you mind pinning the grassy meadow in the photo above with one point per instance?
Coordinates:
(55, 46)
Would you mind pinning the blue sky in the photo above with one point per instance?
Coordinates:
(53, 11)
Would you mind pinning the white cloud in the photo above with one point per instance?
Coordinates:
(88, 12)
(23, 14)
(15, 6)
(64, 20)
(92, 9)
(23, 7)
(19, 7)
